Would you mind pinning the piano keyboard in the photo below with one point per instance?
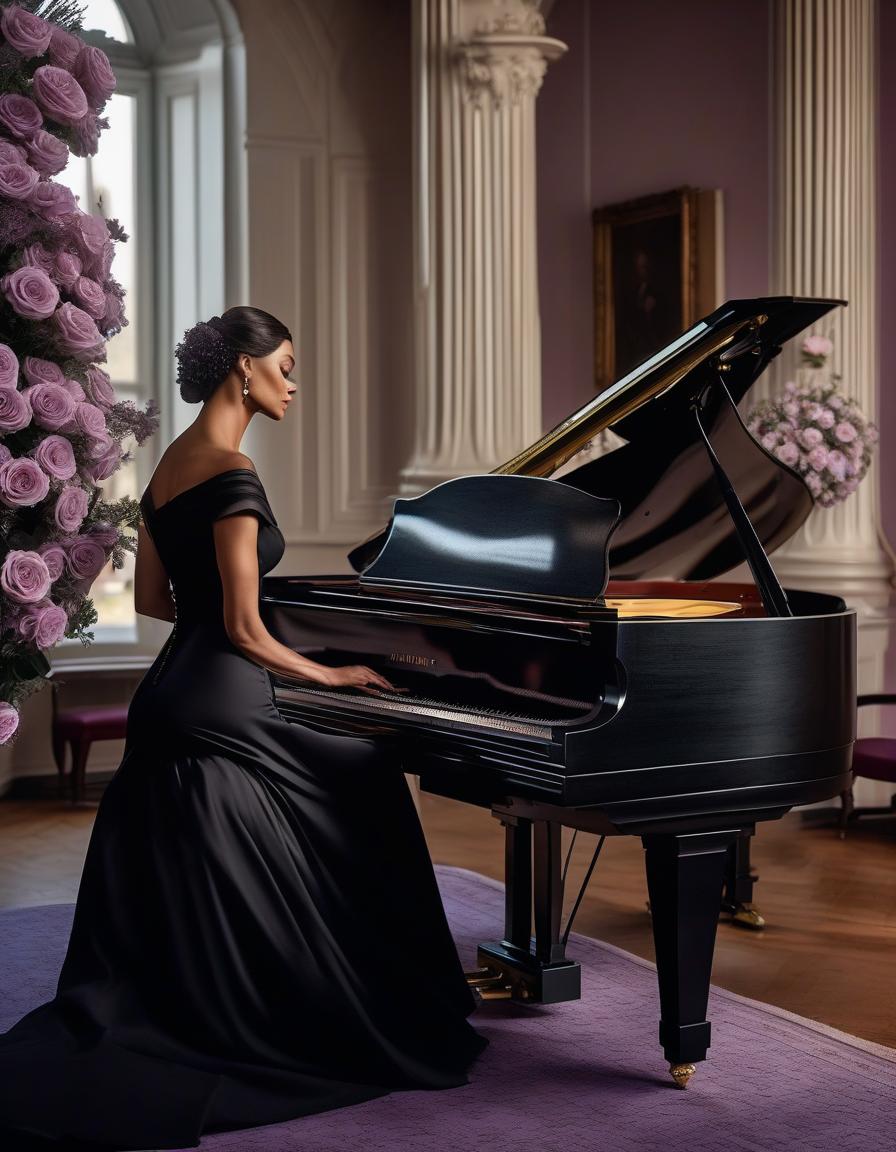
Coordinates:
(397, 703)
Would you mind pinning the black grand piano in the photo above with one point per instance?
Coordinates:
(565, 655)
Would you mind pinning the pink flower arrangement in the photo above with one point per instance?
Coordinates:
(62, 427)
(817, 431)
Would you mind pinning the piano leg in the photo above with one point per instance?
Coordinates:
(511, 967)
(737, 896)
(685, 872)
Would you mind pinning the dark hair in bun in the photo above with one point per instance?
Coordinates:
(209, 349)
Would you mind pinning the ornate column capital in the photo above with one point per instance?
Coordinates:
(503, 53)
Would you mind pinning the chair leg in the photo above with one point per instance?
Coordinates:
(80, 752)
(847, 804)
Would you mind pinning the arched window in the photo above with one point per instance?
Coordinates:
(161, 168)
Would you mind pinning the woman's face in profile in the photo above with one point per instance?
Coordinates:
(270, 385)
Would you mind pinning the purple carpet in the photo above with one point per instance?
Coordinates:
(585, 1076)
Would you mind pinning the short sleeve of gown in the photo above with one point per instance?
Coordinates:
(240, 492)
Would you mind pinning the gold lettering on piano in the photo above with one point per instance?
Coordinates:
(410, 658)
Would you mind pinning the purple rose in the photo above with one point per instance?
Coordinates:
(19, 115)
(65, 48)
(58, 94)
(29, 34)
(47, 153)
(71, 508)
(23, 483)
(76, 332)
(9, 721)
(101, 386)
(86, 559)
(86, 135)
(52, 405)
(845, 432)
(31, 292)
(54, 557)
(15, 411)
(106, 463)
(105, 534)
(53, 201)
(788, 454)
(114, 315)
(90, 296)
(74, 388)
(43, 624)
(94, 232)
(67, 268)
(17, 181)
(24, 576)
(9, 367)
(12, 153)
(57, 457)
(91, 419)
(35, 255)
(38, 371)
(5, 453)
(94, 73)
(818, 458)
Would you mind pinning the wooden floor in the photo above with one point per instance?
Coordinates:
(828, 951)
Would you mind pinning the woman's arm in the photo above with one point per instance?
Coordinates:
(152, 594)
(236, 547)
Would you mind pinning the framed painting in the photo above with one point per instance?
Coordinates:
(657, 269)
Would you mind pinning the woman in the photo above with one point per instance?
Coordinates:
(258, 933)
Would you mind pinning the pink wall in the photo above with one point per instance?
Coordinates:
(650, 95)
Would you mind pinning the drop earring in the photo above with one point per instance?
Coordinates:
(245, 386)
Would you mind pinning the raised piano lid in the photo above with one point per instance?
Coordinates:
(674, 522)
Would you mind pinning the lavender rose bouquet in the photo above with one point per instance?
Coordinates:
(62, 427)
(817, 430)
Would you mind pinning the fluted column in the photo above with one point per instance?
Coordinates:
(824, 244)
(478, 67)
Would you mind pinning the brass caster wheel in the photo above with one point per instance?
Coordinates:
(681, 1073)
(748, 917)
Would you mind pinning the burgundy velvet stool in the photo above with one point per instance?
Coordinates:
(81, 727)
(873, 758)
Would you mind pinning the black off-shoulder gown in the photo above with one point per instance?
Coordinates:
(258, 932)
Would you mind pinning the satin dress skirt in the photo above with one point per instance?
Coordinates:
(258, 933)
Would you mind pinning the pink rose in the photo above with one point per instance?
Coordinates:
(77, 334)
(58, 94)
(90, 296)
(810, 437)
(15, 411)
(38, 371)
(12, 153)
(31, 292)
(769, 441)
(817, 346)
(845, 432)
(86, 559)
(52, 405)
(826, 418)
(9, 367)
(53, 201)
(95, 75)
(101, 386)
(71, 508)
(65, 48)
(23, 483)
(17, 181)
(35, 255)
(788, 454)
(19, 115)
(56, 456)
(818, 458)
(791, 409)
(86, 136)
(9, 721)
(106, 463)
(114, 315)
(54, 557)
(813, 483)
(42, 624)
(29, 34)
(24, 576)
(67, 268)
(94, 232)
(47, 153)
(837, 464)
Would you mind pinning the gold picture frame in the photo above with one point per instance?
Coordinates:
(657, 270)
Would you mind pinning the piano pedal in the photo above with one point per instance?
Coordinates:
(492, 992)
(476, 975)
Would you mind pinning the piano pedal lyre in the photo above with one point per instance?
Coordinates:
(488, 984)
